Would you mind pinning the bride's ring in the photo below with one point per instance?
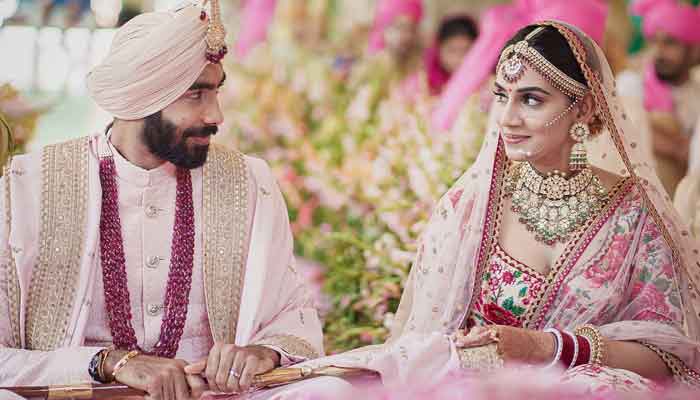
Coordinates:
(234, 373)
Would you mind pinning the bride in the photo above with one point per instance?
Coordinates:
(536, 256)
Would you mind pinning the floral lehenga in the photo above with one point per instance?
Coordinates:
(631, 270)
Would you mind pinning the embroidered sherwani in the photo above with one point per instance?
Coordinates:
(245, 288)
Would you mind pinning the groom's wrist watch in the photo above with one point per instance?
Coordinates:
(96, 366)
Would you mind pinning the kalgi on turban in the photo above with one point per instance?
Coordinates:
(155, 58)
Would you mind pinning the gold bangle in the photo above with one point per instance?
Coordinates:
(593, 335)
(121, 363)
(101, 368)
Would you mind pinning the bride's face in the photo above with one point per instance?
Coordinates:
(526, 111)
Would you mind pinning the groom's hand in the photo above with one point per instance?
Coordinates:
(230, 368)
(161, 378)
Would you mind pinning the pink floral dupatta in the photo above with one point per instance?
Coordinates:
(633, 271)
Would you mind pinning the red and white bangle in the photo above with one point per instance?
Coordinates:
(570, 352)
(584, 353)
(560, 347)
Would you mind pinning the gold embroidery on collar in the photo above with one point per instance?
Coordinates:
(54, 281)
(225, 192)
(9, 270)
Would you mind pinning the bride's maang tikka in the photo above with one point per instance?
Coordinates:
(514, 58)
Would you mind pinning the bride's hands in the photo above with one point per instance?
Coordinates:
(515, 345)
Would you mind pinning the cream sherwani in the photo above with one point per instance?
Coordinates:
(244, 284)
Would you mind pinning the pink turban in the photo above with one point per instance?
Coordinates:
(256, 19)
(387, 11)
(682, 21)
(498, 24)
(588, 15)
(153, 60)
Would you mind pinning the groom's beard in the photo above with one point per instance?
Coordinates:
(669, 72)
(162, 139)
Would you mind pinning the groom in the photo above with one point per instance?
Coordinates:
(129, 255)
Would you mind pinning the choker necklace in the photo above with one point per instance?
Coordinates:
(554, 206)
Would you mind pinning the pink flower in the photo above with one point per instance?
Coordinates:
(603, 272)
(508, 277)
(305, 216)
(366, 337)
(455, 196)
(500, 316)
(290, 175)
(636, 289)
(652, 302)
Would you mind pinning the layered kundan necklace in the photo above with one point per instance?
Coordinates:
(116, 290)
(552, 205)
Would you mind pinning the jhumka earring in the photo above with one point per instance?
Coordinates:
(579, 158)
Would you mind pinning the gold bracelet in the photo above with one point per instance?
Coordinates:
(123, 361)
(101, 368)
(593, 335)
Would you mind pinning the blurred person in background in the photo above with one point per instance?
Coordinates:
(662, 97)
(73, 10)
(393, 53)
(396, 33)
(454, 38)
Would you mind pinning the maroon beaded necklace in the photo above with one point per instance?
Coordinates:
(116, 291)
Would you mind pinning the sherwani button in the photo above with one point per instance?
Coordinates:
(154, 309)
(152, 262)
(151, 211)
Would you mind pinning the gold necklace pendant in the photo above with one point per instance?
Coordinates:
(554, 206)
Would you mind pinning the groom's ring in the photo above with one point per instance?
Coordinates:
(234, 373)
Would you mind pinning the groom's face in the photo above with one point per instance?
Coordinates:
(672, 58)
(181, 133)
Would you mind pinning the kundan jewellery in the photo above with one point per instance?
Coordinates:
(554, 206)
(578, 159)
(116, 291)
(514, 58)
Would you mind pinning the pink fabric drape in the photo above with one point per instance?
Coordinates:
(255, 22)
(497, 25)
(387, 11)
(657, 94)
(436, 73)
